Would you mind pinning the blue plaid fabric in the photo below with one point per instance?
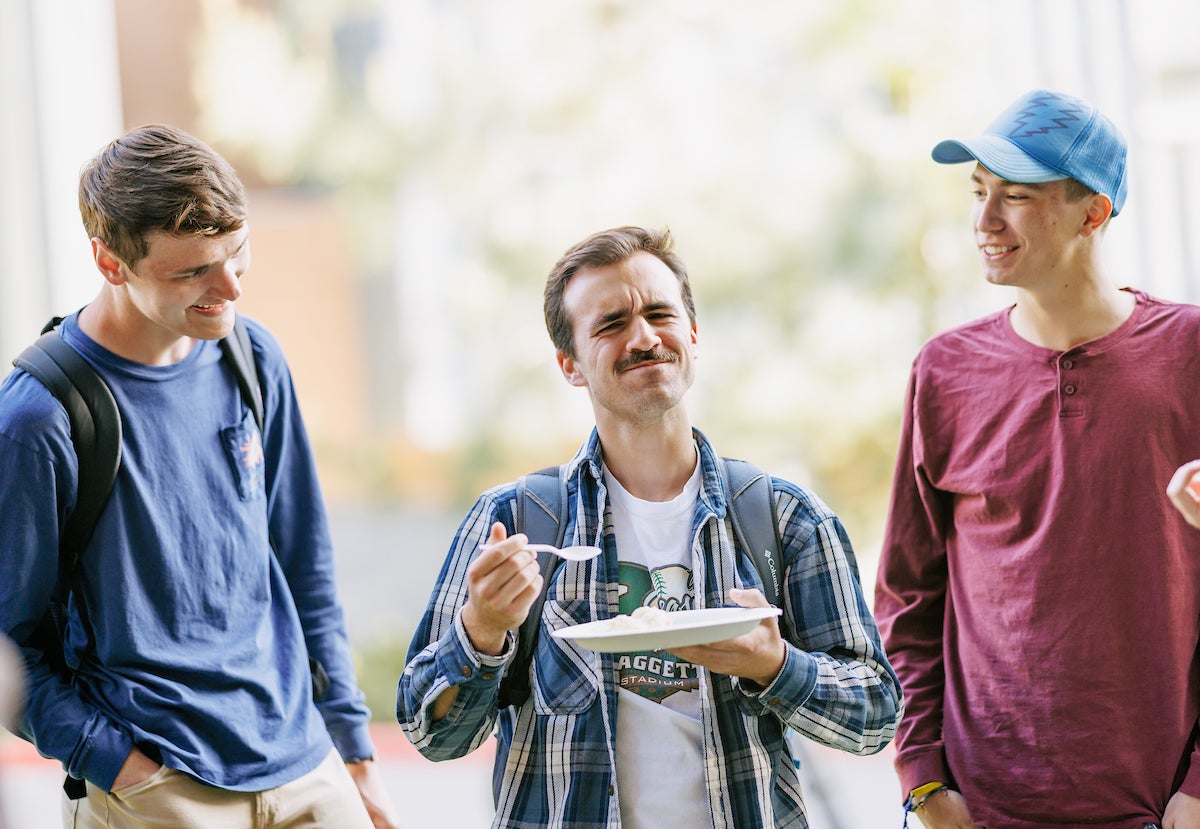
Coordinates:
(555, 754)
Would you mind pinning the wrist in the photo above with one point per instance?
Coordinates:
(919, 796)
(483, 638)
(768, 679)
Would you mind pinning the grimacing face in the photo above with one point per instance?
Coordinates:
(635, 346)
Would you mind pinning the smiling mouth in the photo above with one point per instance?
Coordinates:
(216, 305)
(996, 250)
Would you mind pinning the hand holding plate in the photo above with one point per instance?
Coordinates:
(757, 656)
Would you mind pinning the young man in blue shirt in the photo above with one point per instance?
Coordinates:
(206, 593)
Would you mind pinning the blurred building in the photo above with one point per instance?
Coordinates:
(75, 78)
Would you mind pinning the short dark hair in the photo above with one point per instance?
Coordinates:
(158, 178)
(608, 247)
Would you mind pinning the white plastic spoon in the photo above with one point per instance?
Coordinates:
(578, 553)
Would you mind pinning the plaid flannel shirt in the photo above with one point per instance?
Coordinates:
(556, 753)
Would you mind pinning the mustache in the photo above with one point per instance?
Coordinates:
(655, 355)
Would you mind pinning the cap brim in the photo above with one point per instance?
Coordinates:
(998, 155)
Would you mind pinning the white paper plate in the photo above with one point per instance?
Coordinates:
(688, 627)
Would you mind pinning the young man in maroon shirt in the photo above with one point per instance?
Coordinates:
(1038, 595)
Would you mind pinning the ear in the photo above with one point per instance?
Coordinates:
(1099, 209)
(570, 370)
(107, 262)
(695, 340)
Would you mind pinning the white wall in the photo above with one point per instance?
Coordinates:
(60, 103)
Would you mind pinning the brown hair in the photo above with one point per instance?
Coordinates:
(158, 178)
(1077, 191)
(608, 247)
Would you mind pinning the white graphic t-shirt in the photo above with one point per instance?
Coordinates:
(660, 755)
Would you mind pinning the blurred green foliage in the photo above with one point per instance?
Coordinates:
(379, 662)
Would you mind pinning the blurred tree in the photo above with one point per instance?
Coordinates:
(468, 143)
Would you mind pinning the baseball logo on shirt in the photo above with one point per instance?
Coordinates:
(655, 675)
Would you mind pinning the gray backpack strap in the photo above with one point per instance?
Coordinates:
(540, 513)
(756, 529)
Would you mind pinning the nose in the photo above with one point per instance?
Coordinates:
(986, 214)
(228, 284)
(643, 336)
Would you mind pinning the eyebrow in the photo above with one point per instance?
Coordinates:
(652, 307)
(614, 316)
(207, 265)
(1036, 185)
(605, 319)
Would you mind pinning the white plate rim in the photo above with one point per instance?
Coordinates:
(654, 638)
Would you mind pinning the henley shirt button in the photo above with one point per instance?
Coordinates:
(1069, 389)
(466, 670)
(1068, 364)
(489, 676)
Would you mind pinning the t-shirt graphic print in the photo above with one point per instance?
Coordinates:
(655, 675)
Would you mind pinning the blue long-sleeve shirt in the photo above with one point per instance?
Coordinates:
(556, 753)
(198, 636)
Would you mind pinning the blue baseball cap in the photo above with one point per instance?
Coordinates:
(1048, 136)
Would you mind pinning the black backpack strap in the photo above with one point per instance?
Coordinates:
(96, 435)
(238, 353)
(95, 431)
(752, 510)
(541, 513)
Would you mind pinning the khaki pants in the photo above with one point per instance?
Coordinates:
(325, 798)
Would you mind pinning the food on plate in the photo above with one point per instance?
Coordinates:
(643, 618)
